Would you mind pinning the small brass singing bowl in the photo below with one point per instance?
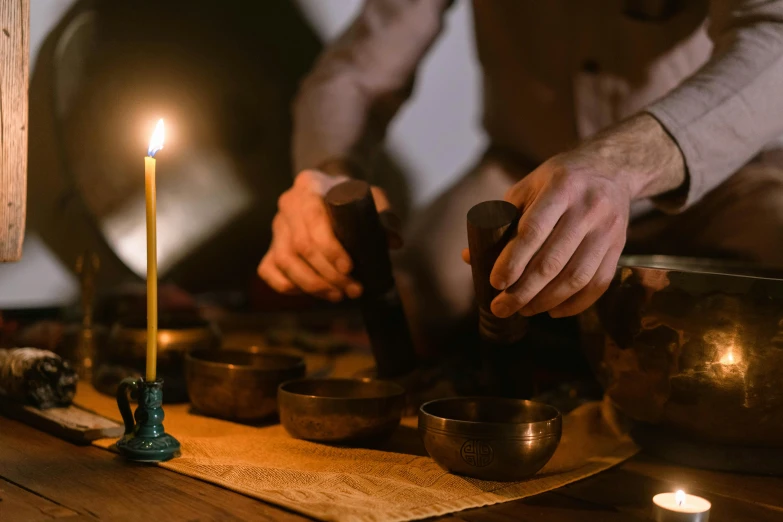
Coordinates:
(238, 385)
(340, 411)
(490, 438)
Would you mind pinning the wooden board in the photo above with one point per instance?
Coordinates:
(14, 67)
(19, 504)
(73, 424)
(99, 485)
(41, 474)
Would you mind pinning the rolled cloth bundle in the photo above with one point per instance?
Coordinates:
(37, 377)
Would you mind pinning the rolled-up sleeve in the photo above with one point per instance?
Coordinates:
(732, 107)
(360, 81)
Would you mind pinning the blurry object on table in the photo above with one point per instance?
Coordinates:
(331, 340)
(44, 334)
(118, 335)
(59, 329)
(85, 352)
(327, 330)
(36, 377)
(129, 302)
(692, 349)
(126, 351)
(570, 395)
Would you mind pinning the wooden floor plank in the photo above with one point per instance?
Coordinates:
(757, 489)
(632, 493)
(18, 504)
(44, 478)
(546, 507)
(94, 482)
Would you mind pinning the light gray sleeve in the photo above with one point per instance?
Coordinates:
(728, 110)
(360, 81)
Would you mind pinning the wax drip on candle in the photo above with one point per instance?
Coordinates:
(679, 497)
(156, 141)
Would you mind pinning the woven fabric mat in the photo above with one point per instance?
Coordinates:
(397, 481)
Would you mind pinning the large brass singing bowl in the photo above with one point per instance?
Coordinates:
(693, 347)
(490, 438)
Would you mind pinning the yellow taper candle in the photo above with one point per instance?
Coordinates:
(156, 143)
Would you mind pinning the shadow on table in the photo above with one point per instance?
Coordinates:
(265, 422)
(404, 440)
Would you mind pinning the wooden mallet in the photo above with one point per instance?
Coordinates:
(358, 227)
(491, 225)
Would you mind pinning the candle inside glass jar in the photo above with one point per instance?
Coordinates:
(680, 507)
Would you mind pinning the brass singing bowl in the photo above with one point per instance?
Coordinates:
(238, 385)
(490, 438)
(693, 347)
(340, 411)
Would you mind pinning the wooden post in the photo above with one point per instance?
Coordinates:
(356, 224)
(14, 67)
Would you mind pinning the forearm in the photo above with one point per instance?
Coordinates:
(728, 110)
(641, 155)
(361, 80)
(330, 124)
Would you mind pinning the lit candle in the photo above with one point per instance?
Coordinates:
(680, 507)
(728, 358)
(156, 143)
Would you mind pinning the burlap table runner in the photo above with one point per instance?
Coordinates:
(397, 481)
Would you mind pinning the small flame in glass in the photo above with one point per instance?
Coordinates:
(728, 357)
(679, 497)
(156, 141)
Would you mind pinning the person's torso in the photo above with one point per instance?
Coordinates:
(557, 71)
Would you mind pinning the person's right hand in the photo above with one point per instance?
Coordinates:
(305, 256)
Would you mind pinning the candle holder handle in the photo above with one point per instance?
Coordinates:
(145, 439)
(126, 387)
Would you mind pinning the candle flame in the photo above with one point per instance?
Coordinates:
(728, 358)
(679, 496)
(156, 141)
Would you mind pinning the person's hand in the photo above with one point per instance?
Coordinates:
(569, 239)
(574, 216)
(305, 256)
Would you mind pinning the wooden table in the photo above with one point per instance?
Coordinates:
(45, 478)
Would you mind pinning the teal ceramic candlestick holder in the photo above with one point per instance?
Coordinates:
(145, 440)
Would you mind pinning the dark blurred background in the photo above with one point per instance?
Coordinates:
(223, 76)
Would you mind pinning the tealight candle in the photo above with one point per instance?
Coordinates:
(680, 507)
